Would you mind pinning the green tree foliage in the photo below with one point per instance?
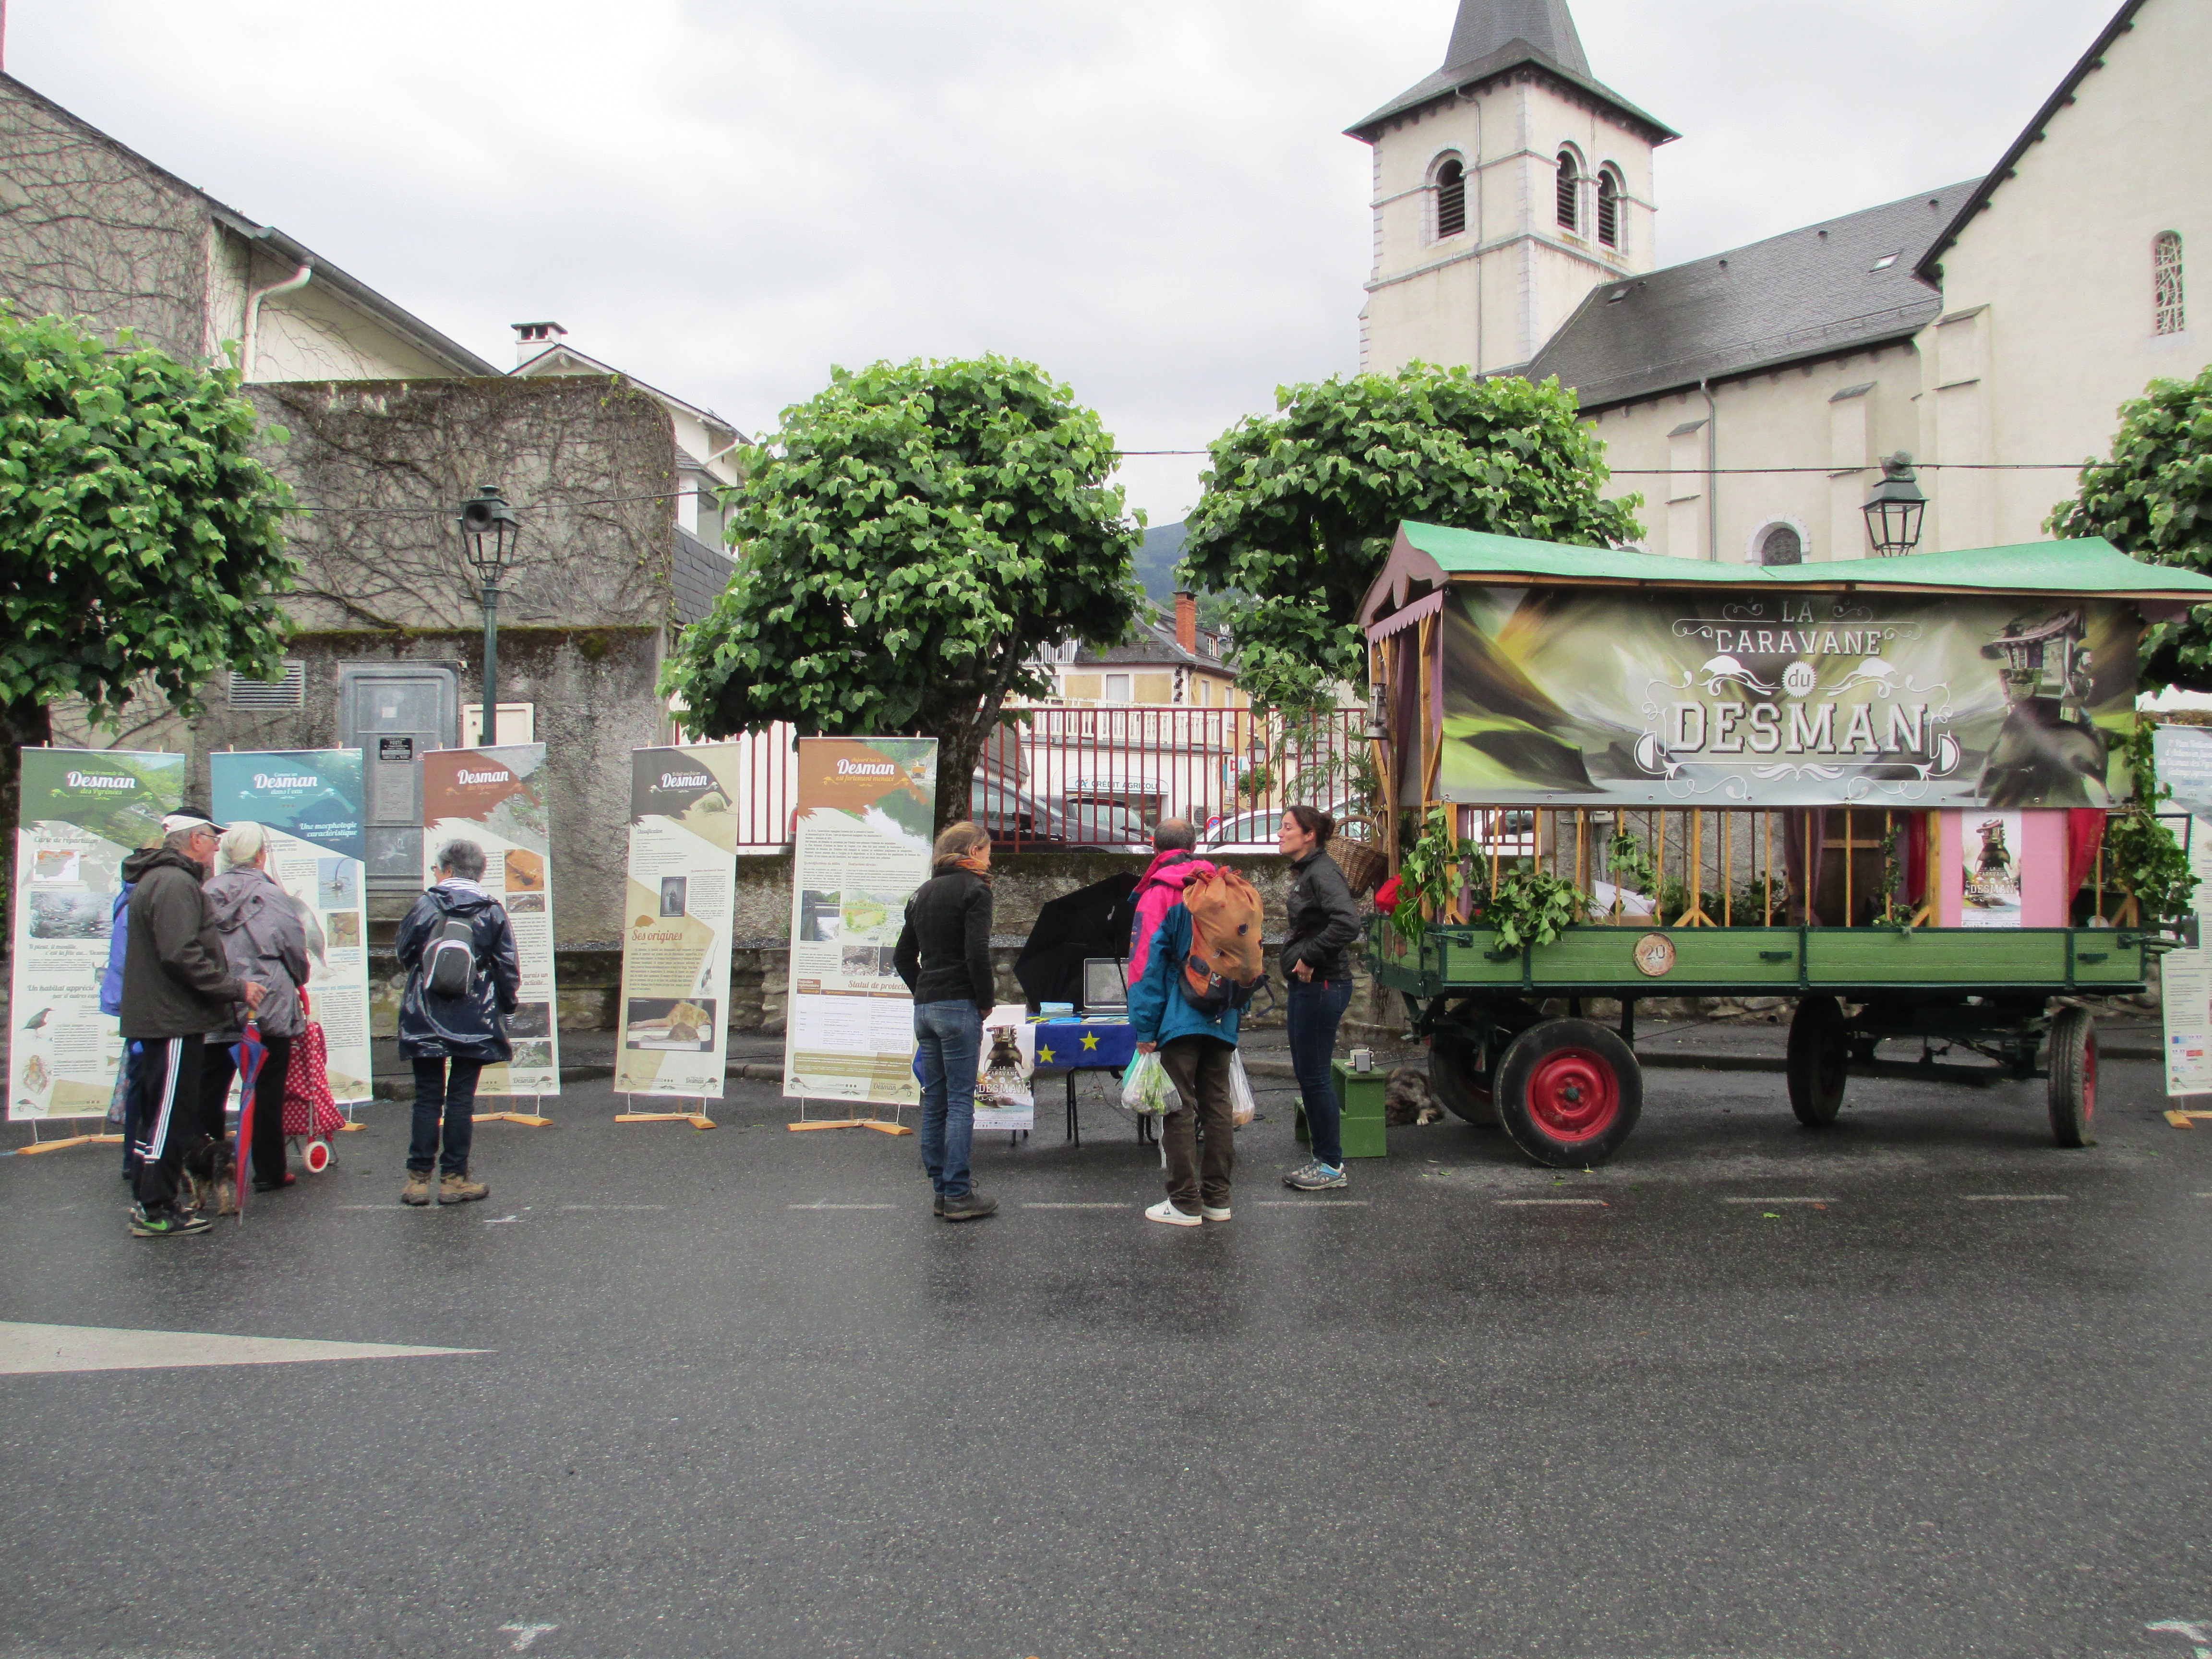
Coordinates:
(141, 545)
(1300, 508)
(905, 543)
(2153, 500)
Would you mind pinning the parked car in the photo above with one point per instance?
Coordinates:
(1256, 830)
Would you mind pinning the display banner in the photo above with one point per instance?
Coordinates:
(2184, 766)
(1598, 697)
(674, 1015)
(497, 799)
(866, 815)
(82, 811)
(310, 801)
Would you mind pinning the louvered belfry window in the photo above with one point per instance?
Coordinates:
(1608, 210)
(2168, 315)
(1451, 198)
(1570, 189)
(288, 690)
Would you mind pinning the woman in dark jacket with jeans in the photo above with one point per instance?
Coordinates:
(943, 954)
(451, 1039)
(1316, 957)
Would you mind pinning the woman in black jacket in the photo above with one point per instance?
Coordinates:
(451, 1039)
(943, 954)
(1316, 957)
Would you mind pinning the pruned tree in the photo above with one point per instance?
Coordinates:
(2153, 500)
(141, 545)
(1300, 508)
(906, 543)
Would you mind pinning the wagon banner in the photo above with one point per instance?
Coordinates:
(675, 1018)
(497, 799)
(310, 801)
(1580, 697)
(82, 812)
(867, 812)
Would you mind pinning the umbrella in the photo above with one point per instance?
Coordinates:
(250, 1054)
(1092, 922)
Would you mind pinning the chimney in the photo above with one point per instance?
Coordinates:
(1187, 622)
(535, 340)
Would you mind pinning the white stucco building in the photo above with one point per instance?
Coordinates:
(1748, 396)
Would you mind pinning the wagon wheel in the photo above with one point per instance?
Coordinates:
(2074, 1078)
(1455, 1081)
(1569, 1092)
(1820, 1055)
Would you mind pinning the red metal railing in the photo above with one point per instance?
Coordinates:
(1100, 776)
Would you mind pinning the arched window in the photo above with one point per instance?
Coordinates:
(1451, 197)
(1782, 544)
(1608, 207)
(2168, 314)
(1570, 190)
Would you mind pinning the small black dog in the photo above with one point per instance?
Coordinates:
(1407, 1100)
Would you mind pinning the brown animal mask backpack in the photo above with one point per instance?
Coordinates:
(1223, 968)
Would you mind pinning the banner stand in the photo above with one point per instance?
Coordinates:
(529, 1119)
(698, 1120)
(39, 1145)
(893, 1127)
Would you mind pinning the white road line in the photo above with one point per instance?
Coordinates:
(2015, 1198)
(610, 1206)
(1311, 1203)
(1553, 1202)
(1781, 1200)
(841, 1206)
(29, 1348)
(1131, 1204)
(369, 1206)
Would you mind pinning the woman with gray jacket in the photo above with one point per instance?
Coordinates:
(265, 938)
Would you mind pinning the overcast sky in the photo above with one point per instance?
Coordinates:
(1150, 197)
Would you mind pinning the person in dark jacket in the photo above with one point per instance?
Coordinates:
(451, 1039)
(943, 954)
(177, 987)
(263, 938)
(1322, 923)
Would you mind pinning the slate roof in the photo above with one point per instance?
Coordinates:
(1493, 36)
(697, 575)
(1153, 645)
(1808, 292)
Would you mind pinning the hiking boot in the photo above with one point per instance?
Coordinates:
(417, 1189)
(165, 1224)
(1315, 1176)
(1165, 1210)
(937, 1206)
(970, 1205)
(1215, 1213)
(459, 1190)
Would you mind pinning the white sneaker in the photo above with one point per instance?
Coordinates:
(1213, 1214)
(1165, 1210)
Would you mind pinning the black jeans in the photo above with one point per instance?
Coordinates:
(447, 1088)
(1316, 1006)
(168, 1116)
(217, 1069)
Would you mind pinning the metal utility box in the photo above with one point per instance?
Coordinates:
(395, 713)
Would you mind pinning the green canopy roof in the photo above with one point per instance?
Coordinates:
(1429, 556)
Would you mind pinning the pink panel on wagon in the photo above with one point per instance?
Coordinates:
(2043, 894)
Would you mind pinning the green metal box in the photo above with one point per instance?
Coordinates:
(1360, 1108)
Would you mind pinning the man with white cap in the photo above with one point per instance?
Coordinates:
(177, 987)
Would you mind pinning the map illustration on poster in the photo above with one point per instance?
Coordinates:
(310, 801)
(867, 815)
(82, 811)
(497, 799)
(675, 1015)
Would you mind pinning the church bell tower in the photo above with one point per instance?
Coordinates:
(1506, 186)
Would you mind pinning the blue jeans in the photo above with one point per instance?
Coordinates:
(1316, 1006)
(948, 1037)
(447, 1089)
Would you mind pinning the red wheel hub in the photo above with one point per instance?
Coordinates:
(1574, 1094)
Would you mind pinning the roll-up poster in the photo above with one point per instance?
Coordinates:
(310, 802)
(497, 799)
(2184, 768)
(82, 811)
(675, 1013)
(867, 815)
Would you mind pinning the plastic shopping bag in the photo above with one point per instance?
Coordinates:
(1241, 1106)
(1147, 1089)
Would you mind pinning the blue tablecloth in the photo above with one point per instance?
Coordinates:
(1066, 1043)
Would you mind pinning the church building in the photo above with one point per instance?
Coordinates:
(1750, 396)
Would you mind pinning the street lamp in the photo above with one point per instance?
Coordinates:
(489, 530)
(1894, 510)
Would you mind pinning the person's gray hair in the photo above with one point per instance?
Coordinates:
(241, 844)
(463, 858)
(1174, 835)
(177, 841)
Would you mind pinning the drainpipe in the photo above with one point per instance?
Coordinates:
(1712, 475)
(298, 279)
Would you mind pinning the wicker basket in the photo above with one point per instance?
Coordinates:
(1362, 865)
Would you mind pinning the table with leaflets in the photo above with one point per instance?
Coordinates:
(1073, 1043)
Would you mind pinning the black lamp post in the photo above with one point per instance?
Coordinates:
(1893, 511)
(489, 530)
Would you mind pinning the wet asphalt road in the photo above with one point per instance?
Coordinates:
(1954, 1404)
